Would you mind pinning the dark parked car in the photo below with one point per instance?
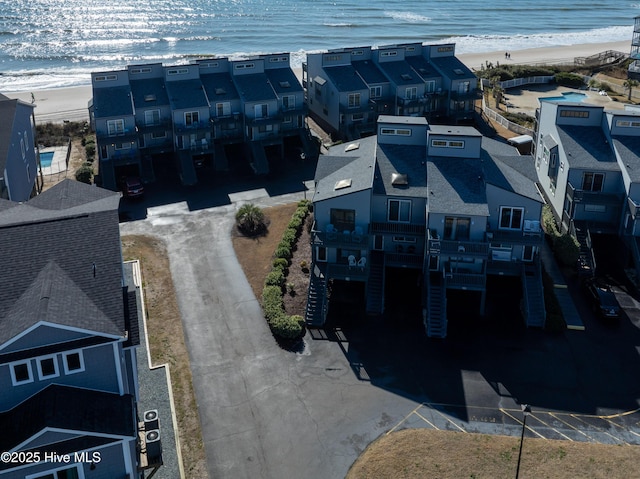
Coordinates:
(132, 187)
(602, 299)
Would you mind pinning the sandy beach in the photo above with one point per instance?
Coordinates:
(71, 104)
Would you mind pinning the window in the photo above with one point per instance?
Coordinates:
(178, 71)
(343, 220)
(575, 113)
(456, 228)
(73, 362)
(447, 143)
(375, 91)
(411, 93)
(430, 86)
(464, 86)
(357, 117)
(261, 111)
(21, 372)
(158, 134)
(191, 118)
(123, 146)
(511, 218)
(289, 102)
(595, 208)
(438, 143)
(395, 131)
(404, 239)
(152, 117)
(399, 211)
(265, 128)
(47, 367)
(321, 254)
(456, 144)
(388, 54)
(592, 181)
(223, 109)
(65, 472)
(106, 78)
(354, 100)
(115, 127)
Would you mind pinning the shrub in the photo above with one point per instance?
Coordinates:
(272, 302)
(567, 249)
(250, 220)
(304, 265)
(280, 263)
(288, 327)
(275, 278)
(84, 174)
(569, 79)
(283, 251)
(291, 288)
(289, 236)
(555, 319)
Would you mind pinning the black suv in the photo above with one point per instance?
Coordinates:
(603, 300)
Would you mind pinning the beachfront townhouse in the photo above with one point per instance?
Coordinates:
(348, 88)
(190, 119)
(153, 119)
(152, 116)
(587, 159)
(225, 109)
(577, 167)
(68, 338)
(18, 151)
(441, 204)
(112, 116)
(458, 81)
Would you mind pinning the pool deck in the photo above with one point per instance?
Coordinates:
(58, 162)
(526, 99)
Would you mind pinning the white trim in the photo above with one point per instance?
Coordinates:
(68, 371)
(118, 361)
(126, 455)
(14, 381)
(39, 361)
(400, 202)
(39, 475)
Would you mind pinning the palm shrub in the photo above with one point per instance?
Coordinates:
(250, 220)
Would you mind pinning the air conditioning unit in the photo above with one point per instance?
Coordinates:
(154, 446)
(151, 420)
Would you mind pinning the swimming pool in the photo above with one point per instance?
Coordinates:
(46, 158)
(570, 96)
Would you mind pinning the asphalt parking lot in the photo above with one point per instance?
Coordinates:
(269, 413)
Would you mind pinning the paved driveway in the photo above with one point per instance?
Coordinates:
(267, 413)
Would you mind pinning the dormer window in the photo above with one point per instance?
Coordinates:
(21, 372)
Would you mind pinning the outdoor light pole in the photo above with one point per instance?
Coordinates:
(526, 410)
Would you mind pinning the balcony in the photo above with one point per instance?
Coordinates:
(460, 278)
(518, 237)
(337, 239)
(197, 126)
(227, 119)
(404, 260)
(466, 96)
(435, 245)
(404, 228)
(411, 102)
(346, 272)
(158, 126)
(594, 198)
(362, 108)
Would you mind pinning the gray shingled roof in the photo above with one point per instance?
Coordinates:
(456, 186)
(149, 93)
(219, 87)
(628, 148)
(587, 147)
(345, 78)
(68, 408)
(450, 65)
(185, 94)
(255, 87)
(113, 101)
(422, 67)
(43, 247)
(512, 173)
(279, 76)
(400, 73)
(355, 165)
(403, 159)
(369, 72)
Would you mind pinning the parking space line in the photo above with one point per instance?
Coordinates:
(553, 428)
(403, 419)
(448, 419)
(572, 427)
(617, 439)
(506, 413)
(621, 426)
(427, 421)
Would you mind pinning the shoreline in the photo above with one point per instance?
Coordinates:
(71, 103)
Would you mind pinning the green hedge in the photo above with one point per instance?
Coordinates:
(281, 324)
(565, 247)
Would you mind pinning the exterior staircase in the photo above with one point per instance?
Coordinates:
(533, 296)
(375, 283)
(259, 163)
(436, 311)
(316, 310)
(586, 260)
(220, 158)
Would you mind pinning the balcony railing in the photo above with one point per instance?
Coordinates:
(457, 248)
(458, 280)
(161, 125)
(467, 95)
(594, 198)
(362, 108)
(519, 237)
(340, 239)
(404, 259)
(193, 127)
(410, 228)
(344, 271)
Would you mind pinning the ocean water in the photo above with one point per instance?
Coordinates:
(55, 43)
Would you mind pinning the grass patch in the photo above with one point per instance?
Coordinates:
(420, 453)
(166, 343)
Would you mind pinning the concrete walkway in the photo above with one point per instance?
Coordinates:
(561, 289)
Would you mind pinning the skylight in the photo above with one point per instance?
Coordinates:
(220, 91)
(285, 84)
(405, 76)
(457, 71)
(399, 179)
(351, 147)
(341, 184)
(149, 98)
